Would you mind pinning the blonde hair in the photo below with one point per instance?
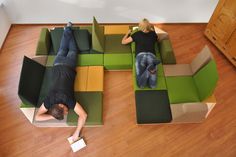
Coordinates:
(145, 25)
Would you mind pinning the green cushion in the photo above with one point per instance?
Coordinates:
(22, 105)
(98, 37)
(90, 59)
(118, 61)
(113, 44)
(31, 78)
(206, 80)
(87, 27)
(83, 60)
(92, 104)
(152, 107)
(44, 42)
(167, 54)
(182, 89)
(83, 39)
(56, 36)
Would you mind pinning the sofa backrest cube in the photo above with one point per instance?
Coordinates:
(32, 74)
(98, 37)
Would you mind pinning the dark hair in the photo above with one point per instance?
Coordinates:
(56, 111)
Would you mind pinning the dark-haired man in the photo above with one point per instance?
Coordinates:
(61, 95)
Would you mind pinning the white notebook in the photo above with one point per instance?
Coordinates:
(77, 145)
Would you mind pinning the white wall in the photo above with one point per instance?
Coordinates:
(109, 11)
(4, 25)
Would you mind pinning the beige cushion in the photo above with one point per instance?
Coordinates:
(41, 59)
(201, 59)
(161, 34)
(177, 70)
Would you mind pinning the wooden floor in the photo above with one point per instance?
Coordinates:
(120, 136)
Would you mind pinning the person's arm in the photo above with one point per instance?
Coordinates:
(81, 120)
(42, 115)
(127, 39)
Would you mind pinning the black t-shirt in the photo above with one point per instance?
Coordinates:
(62, 89)
(144, 42)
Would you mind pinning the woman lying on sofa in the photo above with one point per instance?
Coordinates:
(146, 62)
(61, 95)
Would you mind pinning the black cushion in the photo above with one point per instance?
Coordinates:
(31, 78)
(82, 37)
(46, 85)
(152, 107)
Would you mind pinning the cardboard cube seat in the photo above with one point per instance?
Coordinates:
(194, 88)
(152, 107)
(89, 78)
(35, 83)
(92, 104)
(49, 43)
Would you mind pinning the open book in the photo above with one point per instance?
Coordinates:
(77, 145)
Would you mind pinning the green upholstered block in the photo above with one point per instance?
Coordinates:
(31, 78)
(90, 59)
(50, 60)
(87, 27)
(92, 103)
(161, 85)
(167, 54)
(118, 61)
(44, 42)
(152, 107)
(182, 89)
(98, 37)
(82, 38)
(56, 35)
(83, 60)
(206, 80)
(113, 44)
(157, 49)
(22, 105)
(46, 85)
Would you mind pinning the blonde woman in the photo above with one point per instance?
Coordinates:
(146, 62)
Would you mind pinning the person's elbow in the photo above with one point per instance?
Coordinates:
(83, 116)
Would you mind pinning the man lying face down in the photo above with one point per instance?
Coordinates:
(61, 95)
(146, 63)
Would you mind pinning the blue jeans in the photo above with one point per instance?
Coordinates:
(144, 77)
(67, 53)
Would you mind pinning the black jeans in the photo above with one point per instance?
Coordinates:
(67, 53)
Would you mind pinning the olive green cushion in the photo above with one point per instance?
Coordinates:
(167, 53)
(182, 89)
(44, 42)
(152, 107)
(83, 60)
(93, 106)
(113, 44)
(82, 38)
(118, 61)
(98, 37)
(206, 80)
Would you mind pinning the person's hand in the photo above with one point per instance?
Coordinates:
(75, 137)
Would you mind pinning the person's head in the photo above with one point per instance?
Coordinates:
(58, 111)
(145, 25)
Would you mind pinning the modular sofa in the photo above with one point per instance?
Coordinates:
(100, 49)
